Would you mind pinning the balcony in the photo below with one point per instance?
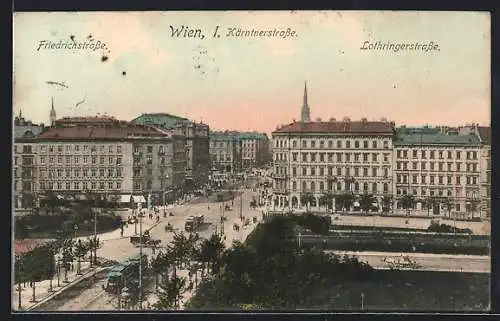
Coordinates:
(161, 153)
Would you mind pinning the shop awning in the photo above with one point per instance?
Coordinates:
(139, 199)
(124, 198)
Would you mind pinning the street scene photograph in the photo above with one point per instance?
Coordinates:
(241, 161)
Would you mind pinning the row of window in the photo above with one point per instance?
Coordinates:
(149, 149)
(433, 154)
(469, 167)
(470, 180)
(339, 171)
(78, 147)
(111, 160)
(78, 172)
(149, 172)
(314, 143)
(436, 192)
(149, 160)
(77, 186)
(312, 187)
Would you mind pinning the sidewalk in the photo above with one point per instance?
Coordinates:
(42, 288)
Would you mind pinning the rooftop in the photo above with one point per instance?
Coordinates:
(88, 120)
(435, 139)
(164, 120)
(101, 133)
(485, 134)
(338, 127)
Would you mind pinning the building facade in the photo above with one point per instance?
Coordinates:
(484, 135)
(226, 152)
(106, 158)
(24, 163)
(440, 170)
(331, 157)
(254, 149)
(196, 153)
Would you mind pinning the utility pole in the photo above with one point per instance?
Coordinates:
(140, 261)
(19, 306)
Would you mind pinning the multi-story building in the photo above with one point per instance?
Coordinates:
(109, 158)
(24, 167)
(225, 152)
(331, 157)
(196, 144)
(255, 149)
(441, 171)
(318, 157)
(484, 134)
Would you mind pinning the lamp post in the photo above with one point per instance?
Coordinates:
(58, 258)
(18, 258)
(75, 228)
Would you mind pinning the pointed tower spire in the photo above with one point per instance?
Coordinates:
(52, 113)
(305, 113)
(20, 113)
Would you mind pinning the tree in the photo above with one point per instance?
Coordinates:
(67, 256)
(448, 203)
(474, 205)
(307, 199)
(326, 200)
(386, 203)
(210, 252)
(80, 251)
(170, 294)
(366, 201)
(428, 202)
(345, 200)
(51, 201)
(407, 202)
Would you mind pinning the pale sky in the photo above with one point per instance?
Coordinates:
(256, 83)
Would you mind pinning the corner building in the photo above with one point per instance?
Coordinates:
(437, 169)
(331, 157)
(109, 158)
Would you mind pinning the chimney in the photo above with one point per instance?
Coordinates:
(383, 119)
(364, 120)
(346, 119)
(318, 119)
(332, 119)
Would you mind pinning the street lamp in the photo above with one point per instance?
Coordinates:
(75, 228)
(58, 258)
(18, 259)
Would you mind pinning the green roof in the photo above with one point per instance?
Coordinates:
(227, 135)
(435, 139)
(163, 120)
(417, 130)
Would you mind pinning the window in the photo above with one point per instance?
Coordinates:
(119, 149)
(59, 148)
(458, 167)
(386, 157)
(422, 165)
(459, 154)
(449, 154)
(321, 157)
(440, 154)
(356, 171)
(101, 160)
(94, 160)
(330, 144)
(313, 157)
(77, 159)
(414, 179)
(423, 154)
(68, 185)
(304, 171)
(386, 188)
(348, 144)
(321, 144)
(119, 160)
(347, 157)
(365, 144)
(94, 172)
(150, 149)
(365, 157)
(68, 159)
(42, 159)
(339, 144)
(365, 171)
(321, 171)
(374, 187)
(313, 171)
(374, 157)
(101, 172)
(374, 144)
(414, 154)
(339, 157)
(356, 144)
(457, 180)
(374, 172)
(321, 186)
(313, 144)
(431, 156)
(365, 187)
(76, 173)
(101, 185)
(339, 171)
(68, 173)
(110, 160)
(149, 160)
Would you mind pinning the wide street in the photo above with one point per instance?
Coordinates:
(117, 248)
(427, 262)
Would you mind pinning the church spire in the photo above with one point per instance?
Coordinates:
(52, 113)
(305, 113)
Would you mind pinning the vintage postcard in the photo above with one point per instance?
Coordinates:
(240, 161)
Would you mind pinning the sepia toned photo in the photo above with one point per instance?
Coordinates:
(251, 161)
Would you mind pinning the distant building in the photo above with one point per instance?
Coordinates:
(110, 158)
(24, 167)
(197, 155)
(484, 134)
(225, 152)
(255, 149)
(441, 169)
